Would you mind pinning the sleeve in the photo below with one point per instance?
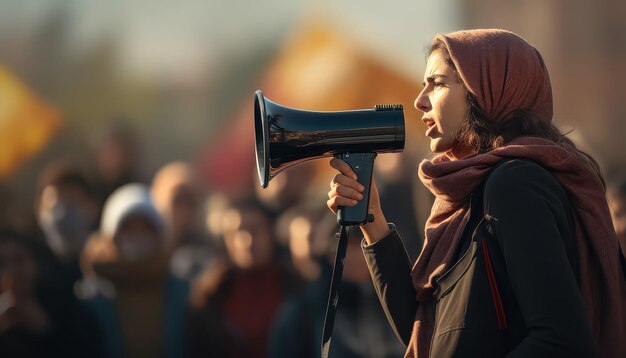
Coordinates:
(531, 222)
(390, 268)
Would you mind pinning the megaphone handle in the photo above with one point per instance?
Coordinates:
(363, 165)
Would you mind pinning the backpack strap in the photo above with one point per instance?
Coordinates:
(495, 291)
(496, 298)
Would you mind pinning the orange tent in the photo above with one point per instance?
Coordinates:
(320, 69)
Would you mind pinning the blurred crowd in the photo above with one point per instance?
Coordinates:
(114, 265)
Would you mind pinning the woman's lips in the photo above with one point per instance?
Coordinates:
(431, 125)
(430, 130)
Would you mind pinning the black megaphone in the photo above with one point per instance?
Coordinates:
(286, 136)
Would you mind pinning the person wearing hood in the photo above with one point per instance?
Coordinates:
(140, 306)
(520, 258)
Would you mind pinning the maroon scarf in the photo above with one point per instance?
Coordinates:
(505, 74)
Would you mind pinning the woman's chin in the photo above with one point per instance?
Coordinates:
(459, 151)
(452, 150)
(438, 146)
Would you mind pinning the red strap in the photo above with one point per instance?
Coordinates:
(495, 293)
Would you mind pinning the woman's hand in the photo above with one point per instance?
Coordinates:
(345, 190)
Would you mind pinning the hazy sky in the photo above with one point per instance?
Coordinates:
(159, 36)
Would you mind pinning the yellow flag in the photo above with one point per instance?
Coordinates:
(26, 124)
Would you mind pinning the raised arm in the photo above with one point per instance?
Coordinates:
(384, 251)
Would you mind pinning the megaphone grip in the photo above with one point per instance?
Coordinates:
(363, 165)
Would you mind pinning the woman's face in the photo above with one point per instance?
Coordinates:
(444, 103)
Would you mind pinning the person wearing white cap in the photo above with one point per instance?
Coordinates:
(130, 219)
(144, 316)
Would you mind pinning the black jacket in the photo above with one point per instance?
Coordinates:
(525, 219)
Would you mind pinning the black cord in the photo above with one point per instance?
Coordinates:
(335, 285)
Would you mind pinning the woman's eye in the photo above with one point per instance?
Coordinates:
(438, 84)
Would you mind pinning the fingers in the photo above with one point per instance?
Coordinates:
(347, 177)
(343, 168)
(345, 190)
(342, 180)
(342, 196)
(336, 201)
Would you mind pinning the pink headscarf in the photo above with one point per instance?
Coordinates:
(506, 74)
(503, 71)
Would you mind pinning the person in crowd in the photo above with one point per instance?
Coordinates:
(34, 320)
(295, 231)
(67, 213)
(141, 311)
(116, 158)
(361, 329)
(520, 258)
(235, 303)
(177, 198)
(396, 185)
(616, 196)
(287, 189)
(7, 199)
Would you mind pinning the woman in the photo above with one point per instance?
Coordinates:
(520, 258)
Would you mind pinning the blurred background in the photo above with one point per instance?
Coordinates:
(95, 96)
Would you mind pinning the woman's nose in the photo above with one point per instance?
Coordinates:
(422, 103)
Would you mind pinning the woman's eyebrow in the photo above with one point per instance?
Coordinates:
(433, 77)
